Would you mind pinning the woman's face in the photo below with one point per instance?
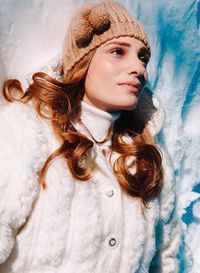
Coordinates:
(117, 74)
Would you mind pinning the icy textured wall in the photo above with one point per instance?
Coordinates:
(31, 34)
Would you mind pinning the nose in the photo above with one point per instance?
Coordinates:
(136, 67)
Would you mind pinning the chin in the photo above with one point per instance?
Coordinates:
(129, 106)
(124, 107)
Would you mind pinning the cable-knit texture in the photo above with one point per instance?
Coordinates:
(75, 226)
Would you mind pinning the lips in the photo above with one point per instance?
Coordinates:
(132, 85)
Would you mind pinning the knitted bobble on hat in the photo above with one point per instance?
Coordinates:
(92, 20)
(99, 19)
(82, 30)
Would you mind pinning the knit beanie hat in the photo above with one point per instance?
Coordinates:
(93, 25)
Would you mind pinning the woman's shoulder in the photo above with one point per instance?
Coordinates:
(20, 121)
(18, 111)
(22, 131)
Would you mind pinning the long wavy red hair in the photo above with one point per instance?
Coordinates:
(63, 98)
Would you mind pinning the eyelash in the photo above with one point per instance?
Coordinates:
(145, 57)
(118, 49)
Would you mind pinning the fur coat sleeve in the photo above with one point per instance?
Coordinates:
(19, 133)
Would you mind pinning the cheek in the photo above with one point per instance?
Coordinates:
(100, 75)
(103, 72)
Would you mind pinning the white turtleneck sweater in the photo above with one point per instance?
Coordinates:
(97, 121)
(76, 226)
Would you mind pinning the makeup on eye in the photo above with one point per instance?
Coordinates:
(144, 59)
(142, 54)
(119, 50)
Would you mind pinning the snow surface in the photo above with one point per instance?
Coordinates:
(31, 35)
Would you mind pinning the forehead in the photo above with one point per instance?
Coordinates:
(126, 40)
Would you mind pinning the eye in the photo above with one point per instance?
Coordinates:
(144, 58)
(117, 51)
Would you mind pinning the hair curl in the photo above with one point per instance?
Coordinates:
(63, 101)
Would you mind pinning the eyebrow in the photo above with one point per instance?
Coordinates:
(119, 43)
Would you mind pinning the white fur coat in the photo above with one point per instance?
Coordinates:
(75, 226)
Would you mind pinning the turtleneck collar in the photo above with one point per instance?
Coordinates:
(97, 121)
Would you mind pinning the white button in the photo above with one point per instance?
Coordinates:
(112, 242)
(110, 193)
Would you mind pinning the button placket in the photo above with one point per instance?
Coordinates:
(111, 204)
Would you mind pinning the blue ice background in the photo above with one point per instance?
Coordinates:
(173, 30)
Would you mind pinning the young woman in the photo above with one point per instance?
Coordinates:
(84, 187)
